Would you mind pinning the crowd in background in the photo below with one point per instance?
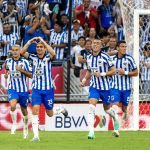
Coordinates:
(144, 23)
(21, 20)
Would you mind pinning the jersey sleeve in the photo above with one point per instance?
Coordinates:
(133, 64)
(28, 66)
(32, 57)
(110, 62)
(6, 64)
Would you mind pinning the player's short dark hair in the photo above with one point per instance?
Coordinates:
(121, 42)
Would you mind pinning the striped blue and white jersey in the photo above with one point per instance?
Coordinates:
(145, 71)
(41, 72)
(126, 63)
(11, 38)
(22, 5)
(58, 38)
(75, 35)
(4, 6)
(17, 80)
(100, 63)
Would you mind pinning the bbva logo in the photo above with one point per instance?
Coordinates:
(70, 121)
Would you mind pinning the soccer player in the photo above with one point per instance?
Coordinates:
(17, 69)
(42, 83)
(100, 68)
(121, 83)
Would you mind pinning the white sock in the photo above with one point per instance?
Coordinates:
(13, 116)
(57, 110)
(35, 125)
(115, 108)
(25, 120)
(91, 117)
(111, 112)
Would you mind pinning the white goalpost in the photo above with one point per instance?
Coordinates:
(136, 55)
(131, 12)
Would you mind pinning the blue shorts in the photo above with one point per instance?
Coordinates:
(104, 95)
(21, 97)
(43, 96)
(122, 96)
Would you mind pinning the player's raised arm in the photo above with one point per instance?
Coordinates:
(49, 48)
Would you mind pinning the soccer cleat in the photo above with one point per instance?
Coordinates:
(35, 139)
(13, 128)
(91, 135)
(64, 112)
(25, 133)
(115, 133)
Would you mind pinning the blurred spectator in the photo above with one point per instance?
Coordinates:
(120, 29)
(13, 17)
(7, 39)
(76, 32)
(105, 39)
(83, 54)
(76, 53)
(145, 70)
(92, 34)
(112, 32)
(33, 30)
(112, 44)
(86, 13)
(44, 8)
(65, 20)
(106, 15)
(33, 8)
(26, 23)
(58, 39)
(3, 5)
(21, 6)
(86, 28)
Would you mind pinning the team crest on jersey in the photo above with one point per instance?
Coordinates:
(100, 62)
(125, 64)
(44, 62)
(21, 65)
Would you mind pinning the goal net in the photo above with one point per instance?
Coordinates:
(136, 20)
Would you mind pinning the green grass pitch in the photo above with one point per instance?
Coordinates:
(139, 140)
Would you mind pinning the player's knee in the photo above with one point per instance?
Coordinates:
(13, 107)
(24, 112)
(92, 108)
(35, 112)
(49, 113)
